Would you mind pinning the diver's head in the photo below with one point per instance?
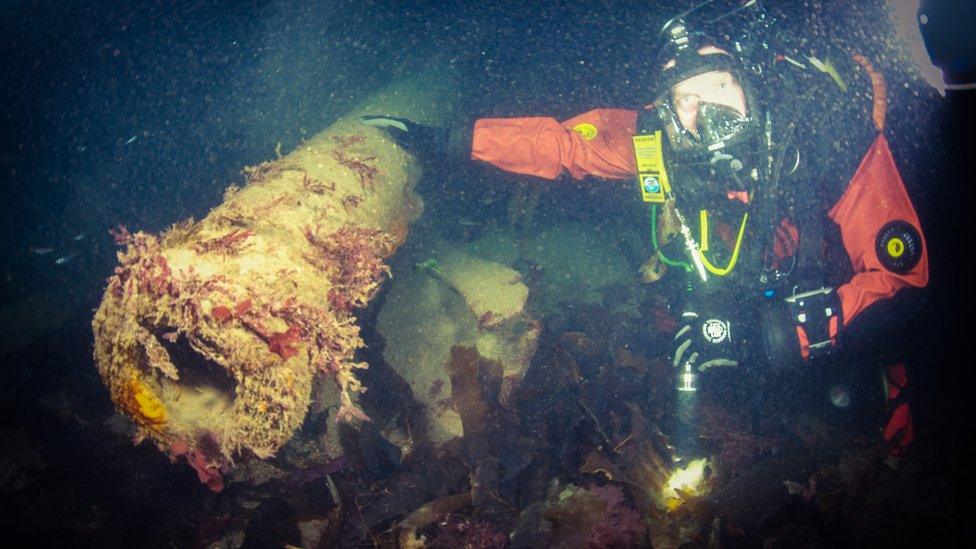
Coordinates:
(702, 96)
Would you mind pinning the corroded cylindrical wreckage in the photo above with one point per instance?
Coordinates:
(210, 335)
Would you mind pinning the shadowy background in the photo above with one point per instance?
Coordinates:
(141, 113)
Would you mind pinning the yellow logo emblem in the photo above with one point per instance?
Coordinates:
(895, 247)
(586, 131)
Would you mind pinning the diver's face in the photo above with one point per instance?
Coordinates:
(715, 87)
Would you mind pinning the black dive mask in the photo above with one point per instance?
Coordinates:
(707, 112)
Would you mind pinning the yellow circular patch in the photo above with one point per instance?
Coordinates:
(895, 247)
(586, 131)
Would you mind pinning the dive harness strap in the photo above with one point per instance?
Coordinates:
(817, 317)
(802, 327)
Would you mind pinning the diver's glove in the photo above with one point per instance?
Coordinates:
(417, 139)
(703, 341)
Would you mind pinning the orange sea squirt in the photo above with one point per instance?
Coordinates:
(144, 405)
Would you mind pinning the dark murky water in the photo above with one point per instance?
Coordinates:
(141, 114)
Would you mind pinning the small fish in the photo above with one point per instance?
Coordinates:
(428, 266)
(131, 140)
(65, 258)
(79, 237)
(40, 251)
(468, 222)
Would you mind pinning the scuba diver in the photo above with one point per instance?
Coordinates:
(774, 200)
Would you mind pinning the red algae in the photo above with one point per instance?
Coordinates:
(230, 243)
(283, 343)
(242, 307)
(221, 313)
(366, 172)
(353, 257)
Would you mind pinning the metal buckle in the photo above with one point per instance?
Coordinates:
(813, 311)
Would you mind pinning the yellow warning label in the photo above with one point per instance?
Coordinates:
(651, 175)
(895, 247)
(586, 131)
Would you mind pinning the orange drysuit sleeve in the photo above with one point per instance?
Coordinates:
(875, 197)
(594, 143)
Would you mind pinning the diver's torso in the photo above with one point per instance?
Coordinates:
(819, 133)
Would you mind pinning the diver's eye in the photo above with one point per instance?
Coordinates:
(687, 102)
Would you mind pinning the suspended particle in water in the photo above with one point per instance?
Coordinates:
(840, 396)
